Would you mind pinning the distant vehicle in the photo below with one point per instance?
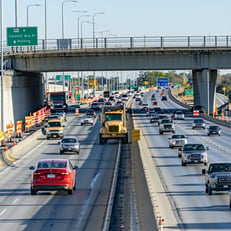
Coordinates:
(177, 140)
(90, 112)
(111, 98)
(164, 98)
(117, 94)
(124, 97)
(154, 118)
(144, 107)
(166, 125)
(161, 117)
(72, 108)
(62, 114)
(95, 106)
(129, 93)
(154, 103)
(69, 144)
(153, 97)
(142, 94)
(198, 108)
(108, 103)
(87, 120)
(106, 94)
(120, 103)
(101, 101)
(198, 123)
(178, 115)
(218, 177)
(53, 175)
(157, 109)
(193, 153)
(214, 130)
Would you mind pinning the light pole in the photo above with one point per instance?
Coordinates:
(81, 28)
(16, 13)
(82, 16)
(93, 22)
(62, 15)
(27, 12)
(102, 35)
(79, 11)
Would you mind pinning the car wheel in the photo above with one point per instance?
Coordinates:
(205, 163)
(192, 128)
(74, 187)
(208, 134)
(70, 191)
(210, 191)
(183, 163)
(32, 191)
(48, 138)
(81, 124)
(91, 124)
(206, 189)
(179, 155)
(61, 152)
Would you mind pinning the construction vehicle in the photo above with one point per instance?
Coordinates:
(113, 124)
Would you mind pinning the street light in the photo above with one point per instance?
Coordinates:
(93, 22)
(82, 16)
(27, 12)
(79, 11)
(16, 13)
(62, 15)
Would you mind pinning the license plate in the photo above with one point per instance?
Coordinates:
(50, 175)
(69, 149)
(54, 135)
(225, 186)
(196, 161)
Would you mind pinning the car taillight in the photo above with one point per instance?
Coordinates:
(65, 173)
(37, 173)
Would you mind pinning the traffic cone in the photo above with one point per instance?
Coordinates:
(14, 143)
(5, 148)
(4, 143)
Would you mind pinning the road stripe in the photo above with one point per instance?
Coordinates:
(2, 212)
(15, 201)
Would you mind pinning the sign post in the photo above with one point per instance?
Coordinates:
(22, 36)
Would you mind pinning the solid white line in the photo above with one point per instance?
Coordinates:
(15, 201)
(2, 212)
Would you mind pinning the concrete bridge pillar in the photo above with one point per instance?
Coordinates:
(22, 93)
(204, 85)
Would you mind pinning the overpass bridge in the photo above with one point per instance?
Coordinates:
(204, 55)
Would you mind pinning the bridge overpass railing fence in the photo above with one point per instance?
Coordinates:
(126, 42)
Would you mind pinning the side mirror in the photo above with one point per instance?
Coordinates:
(76, 167)
(31, 167)
(203, 171)
(207, 148)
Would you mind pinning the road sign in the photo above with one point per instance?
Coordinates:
(188, 92)
(162, 82)
(22, 36)
(60, 77)
(136, 134)
(77, 97)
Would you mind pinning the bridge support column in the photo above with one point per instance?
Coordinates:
(204, 85)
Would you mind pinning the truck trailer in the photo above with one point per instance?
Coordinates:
(113, 124)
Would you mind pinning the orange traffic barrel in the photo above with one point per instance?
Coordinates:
(196, 113)
(76, 111)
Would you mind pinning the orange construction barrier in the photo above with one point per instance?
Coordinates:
(10, 131)
(19, 128)
(27, 123)
(196, 113)
(76, 111)
(2, 138)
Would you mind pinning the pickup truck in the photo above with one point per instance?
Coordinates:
(166, 125)
(217, 177)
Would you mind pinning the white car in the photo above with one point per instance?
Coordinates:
(87, 120)
(178, 115)
(124, 97)
(177, 140)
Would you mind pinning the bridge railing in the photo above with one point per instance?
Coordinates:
(126, 42)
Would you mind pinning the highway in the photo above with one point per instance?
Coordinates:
(185, 189)
(84, 210)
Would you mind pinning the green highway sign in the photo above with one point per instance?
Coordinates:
(60, 77)
(188, 92)
(22, 36)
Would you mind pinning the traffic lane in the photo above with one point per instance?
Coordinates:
(193, 181)
(88, 186)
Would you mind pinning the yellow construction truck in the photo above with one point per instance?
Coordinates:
(113, 124)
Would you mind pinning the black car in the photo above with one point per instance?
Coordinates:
(214, 130)
(198, 108)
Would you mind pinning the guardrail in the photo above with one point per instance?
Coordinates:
(125, 42)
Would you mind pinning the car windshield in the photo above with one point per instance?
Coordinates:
(199, 121)
(178, 136)
(69, 140)
(109, 117)
(192, 147)
(54, 124)
(179, 112)
(220, 167)
(213, 127)
(52, 164)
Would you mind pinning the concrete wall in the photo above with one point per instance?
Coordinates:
(22, 93)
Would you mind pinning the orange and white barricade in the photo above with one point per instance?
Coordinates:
(27, 123)
(43, 113)
(19, 128)
(196, 113)
(36, 118)
(76, 111)
(2, 138)
(10, 131)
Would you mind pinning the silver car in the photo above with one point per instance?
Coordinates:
(178, 115)
(198, 123)
(178, 140)
(87, 120)
(69, 144)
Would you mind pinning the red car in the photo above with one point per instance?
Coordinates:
(53, 175)
(154, 103)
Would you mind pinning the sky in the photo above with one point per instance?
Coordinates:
(122, 18)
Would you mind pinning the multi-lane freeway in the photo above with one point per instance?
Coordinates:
(184, 185)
